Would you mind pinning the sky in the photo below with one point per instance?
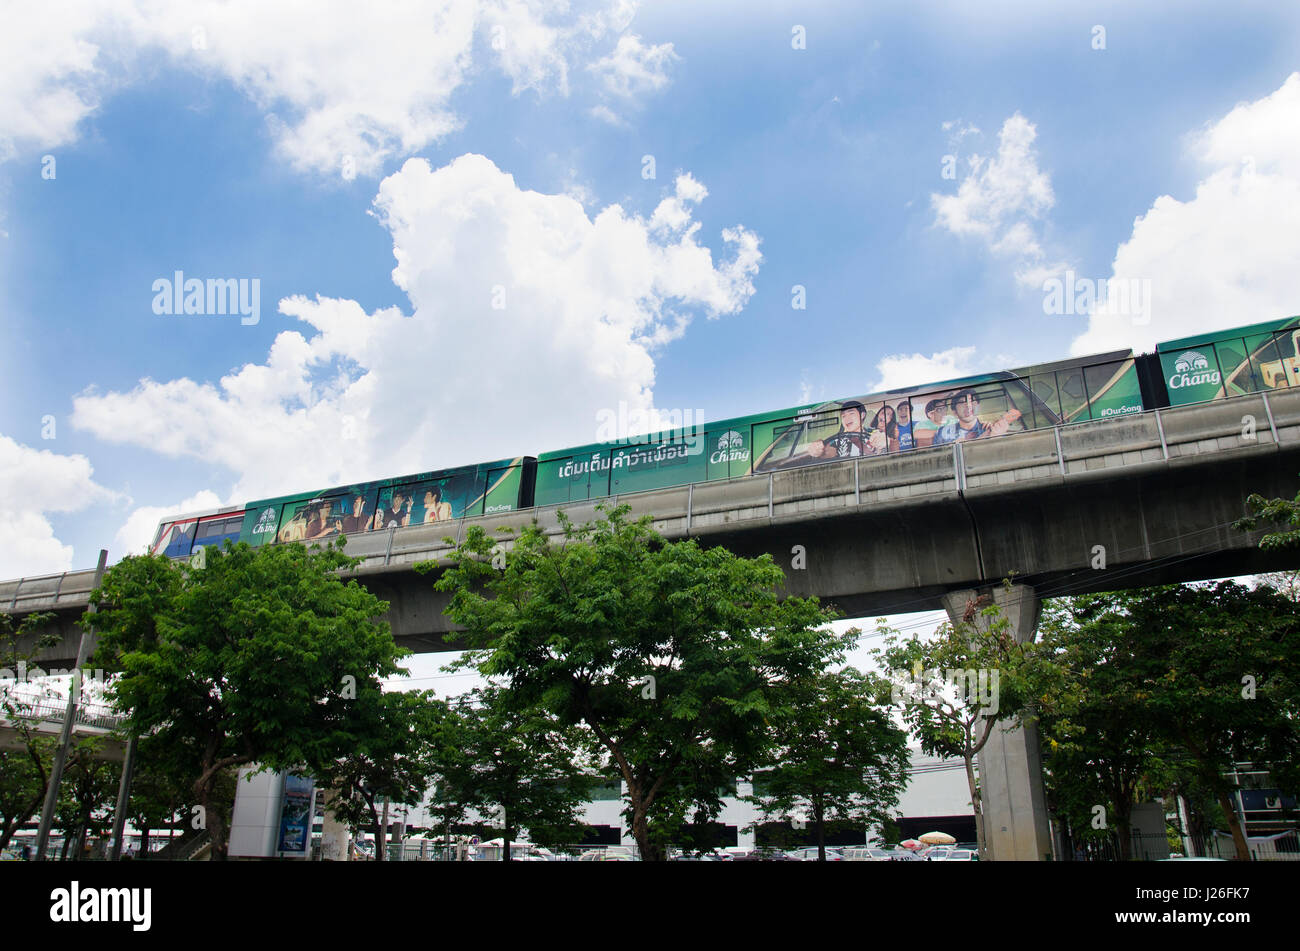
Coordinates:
(468, 230)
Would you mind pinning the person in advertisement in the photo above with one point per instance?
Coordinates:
(886, 421)
(967, 425)
(905, 440)
(435, 509)
(398, 512)
(357, 521)
(852, 439)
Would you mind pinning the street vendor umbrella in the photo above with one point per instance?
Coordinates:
(909, 844)
(938, 838)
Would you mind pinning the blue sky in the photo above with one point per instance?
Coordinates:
(385, 179)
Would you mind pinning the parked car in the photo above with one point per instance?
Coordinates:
(809, 854)
(935, 852)
(759, 855)
(611, 853)
(957, 855)
(866, 854)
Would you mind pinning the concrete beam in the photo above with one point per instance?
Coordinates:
(1155, 494)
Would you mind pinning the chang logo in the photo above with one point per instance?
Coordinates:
(265, 522)
(731, 448)
(1192, 369)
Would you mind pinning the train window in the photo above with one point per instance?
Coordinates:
(1259, 351)
(1231, 356)
(996, 404)
(215, 531)
(786, 440)
(1073, 394)
(1270, 370)
(1099, 379)
(1047, 403)
(175, 539)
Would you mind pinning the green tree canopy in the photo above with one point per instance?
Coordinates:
(676, 659)
(394, 758)
(955, 687)
(838, 756)
(1205, 676)
(258, 657)
(522, 765)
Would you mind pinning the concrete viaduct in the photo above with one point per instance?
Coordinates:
(1135, 500)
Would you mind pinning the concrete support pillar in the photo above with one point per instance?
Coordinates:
(334, 834)
(1010, 765)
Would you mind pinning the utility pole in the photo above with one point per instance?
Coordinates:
(69, 717)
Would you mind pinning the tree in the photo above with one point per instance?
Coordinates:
(24, 769)
(955, 688)
(1213, 672)
(1100, 748)
(258, 657)
(839, 755)
(1283, 513)
(519, 763)
(673, 658)
(86, 797)
(393, 760)
(156, 798)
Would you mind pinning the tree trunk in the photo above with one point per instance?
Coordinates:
(216, 828)
(821, 831)
(144, 842)
(1234, 826)
(505, 834)
(381, 835)
(975, 803)
(641, 829)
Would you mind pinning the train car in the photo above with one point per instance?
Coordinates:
(178, 537)
(1211, 366)
(419, 499)
(870, 424)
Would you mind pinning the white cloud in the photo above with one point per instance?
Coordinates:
(1001, 199)
(606, 114)
(33, 483)
(633, 69)
(1226, 257)
(137, 532)
(902, 369)
(365, 81)
(632, 72)
(1264, 133)
(587, 300)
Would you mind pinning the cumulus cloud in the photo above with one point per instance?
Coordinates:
(634, 68)
(1227, 256)
(137, 533)
(34, 483)
(359, 82)
(632, 72)
(903, 369)
(529, 316)
(1002, 199)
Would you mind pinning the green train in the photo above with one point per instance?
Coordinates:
(1210, 366)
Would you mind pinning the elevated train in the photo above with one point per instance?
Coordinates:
(1209, 366)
